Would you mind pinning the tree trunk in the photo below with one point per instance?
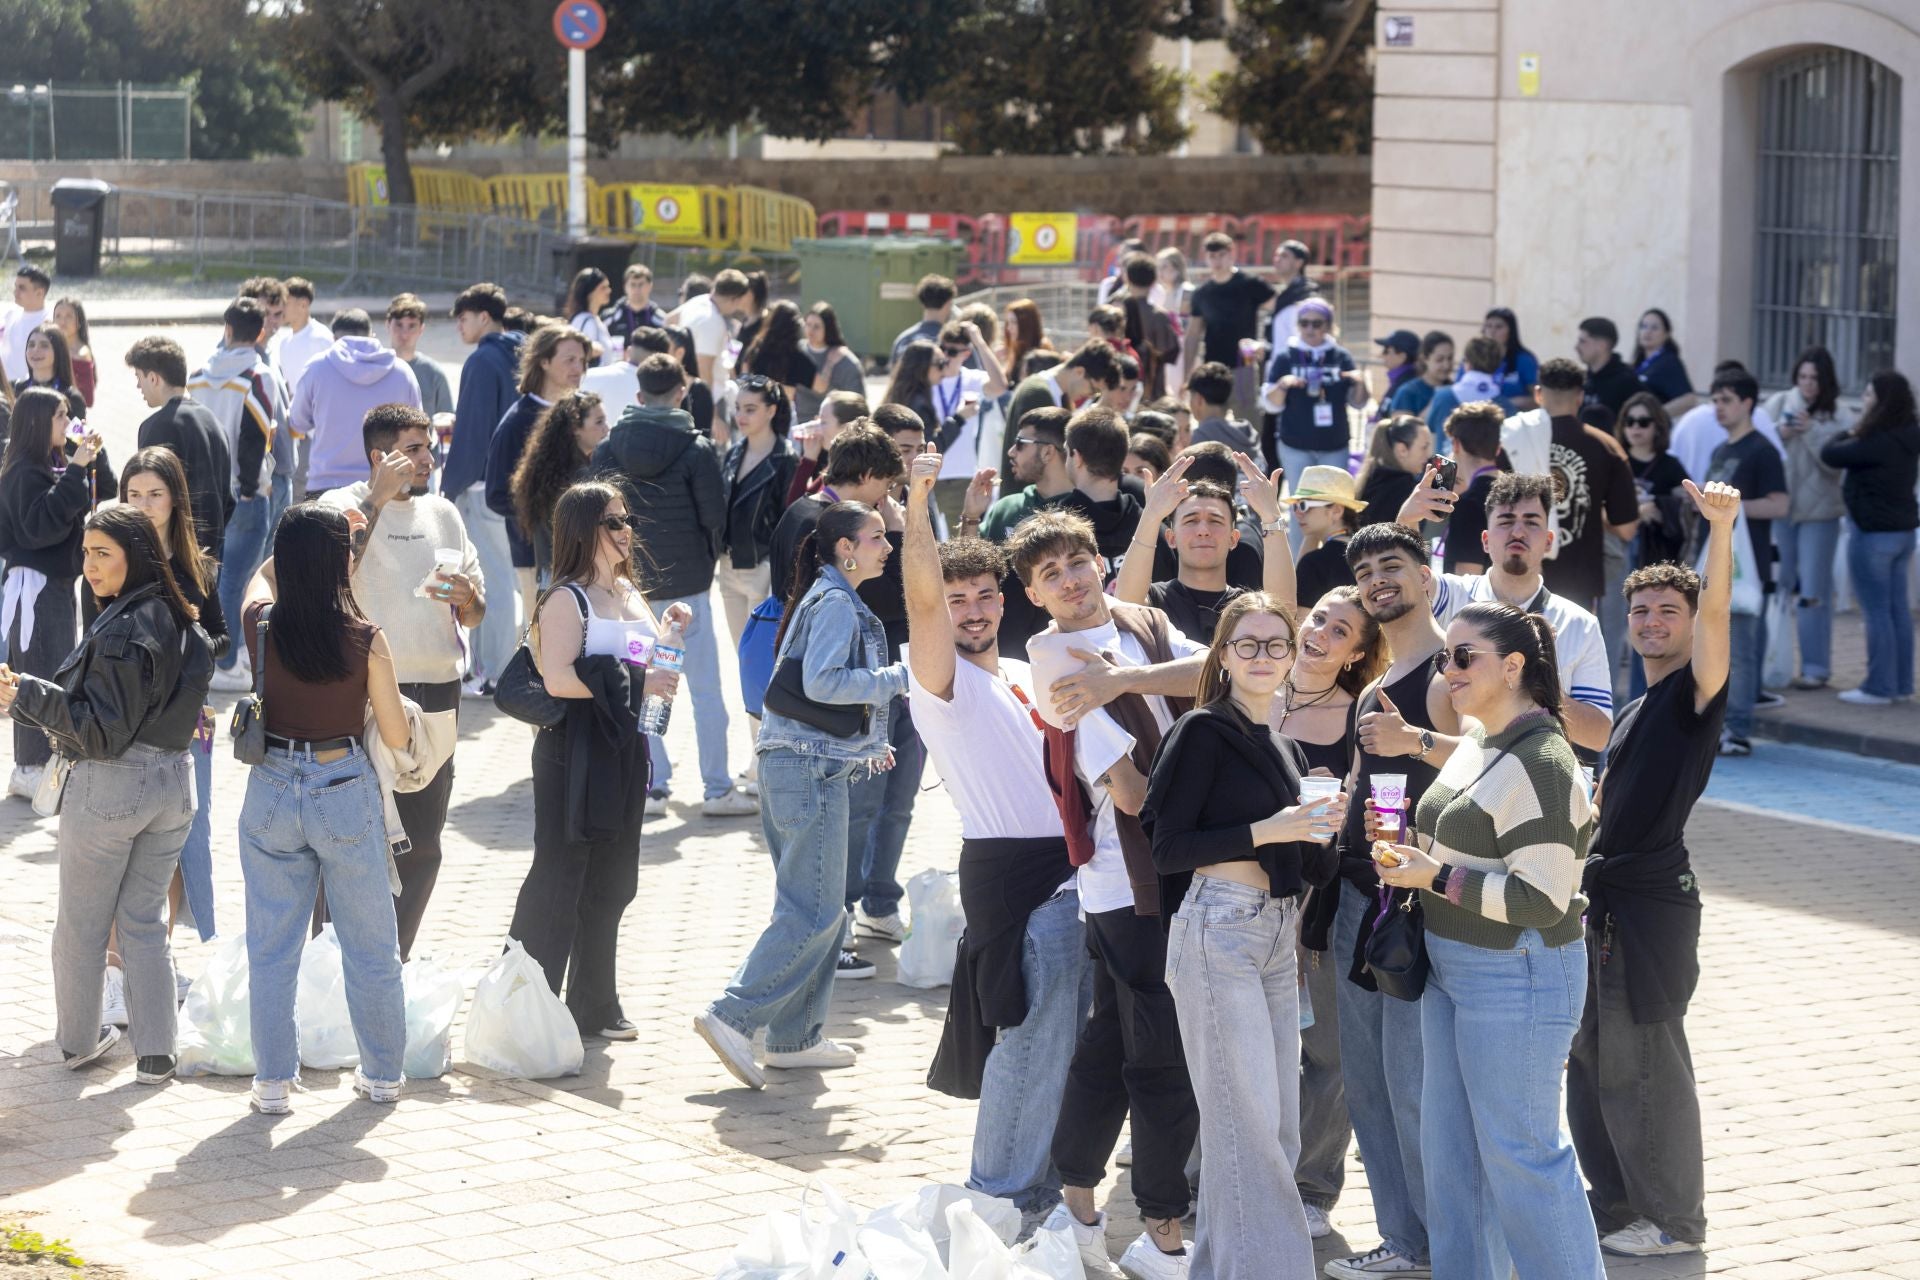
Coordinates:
(393, 145)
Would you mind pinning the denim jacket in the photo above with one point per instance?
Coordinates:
(825, 623)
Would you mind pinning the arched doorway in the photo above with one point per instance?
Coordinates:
(1827, 214)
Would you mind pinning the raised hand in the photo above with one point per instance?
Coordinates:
(979, 495)
(1166, 494)
(1428, 501)
(923, 472)
(1386, 733)
(1717, 503)
(1261, 492)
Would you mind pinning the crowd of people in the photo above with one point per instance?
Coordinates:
(1275, 759)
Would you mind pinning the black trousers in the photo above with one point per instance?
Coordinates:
(1129, 1058)
(56, 630)
(571, 903)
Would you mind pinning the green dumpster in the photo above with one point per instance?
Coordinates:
(870, 281)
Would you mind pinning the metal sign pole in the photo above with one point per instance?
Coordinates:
(577, 141)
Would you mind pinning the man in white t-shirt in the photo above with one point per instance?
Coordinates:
(1023, 966)
(958, 401)
(618, 384)
(302, 339)
(1132, 668)
(711, 318)
(402, 534)
(28, 312)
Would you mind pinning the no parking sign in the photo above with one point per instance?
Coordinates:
(1042, 238)
(670, 212)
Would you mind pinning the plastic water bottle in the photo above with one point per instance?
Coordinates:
(669, 654)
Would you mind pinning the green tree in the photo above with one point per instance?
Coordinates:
(1302, 79)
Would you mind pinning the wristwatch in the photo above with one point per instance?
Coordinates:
(1426, 744)
(1276, 525)
(1440, 877)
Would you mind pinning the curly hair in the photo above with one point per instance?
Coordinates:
(551, 461)
(963, 559)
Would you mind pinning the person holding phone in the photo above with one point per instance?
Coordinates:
(1810, 416)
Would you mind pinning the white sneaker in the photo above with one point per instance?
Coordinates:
(272, 1097)
(1319, 1225)
(887, 928)
(1645, 1240)
(1124, 1156)
(234, 680)
(1860, 698)
(656, 805)
(734, 804)
(1091, 1241)
(25, 780)
(113, 997)
(824, 1056)
(1381, 1262)
(1144, 1260)
(375, 1090)
(748, 780)
(734, 1050)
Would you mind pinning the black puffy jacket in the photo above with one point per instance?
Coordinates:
(677, 497)
(136, 676)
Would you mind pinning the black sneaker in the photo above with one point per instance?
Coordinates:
(620, 1029)
(1768, 698)
(155, 1068)
(852, 966)
(109, 1037)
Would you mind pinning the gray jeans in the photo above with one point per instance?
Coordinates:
(1325, 1130)
(1633, 1110)
(1235, 981)
(122, 823)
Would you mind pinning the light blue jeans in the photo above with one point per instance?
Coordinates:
(1502, 1181)
(1806, 569)
(303, 820)
(880, 809)
(245, 544)
(1297, 461)
(786, 981)
(1746, 659)
(1879, 564)
(1380, 1056)
(1027, 1070)
(1235, 979)
(196, 856)
(702, 678)
(495, 638)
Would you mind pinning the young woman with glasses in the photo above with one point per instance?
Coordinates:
(1235, 845)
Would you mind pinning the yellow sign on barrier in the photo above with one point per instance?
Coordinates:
(370, 185)
(669, 211)
(1042, 238)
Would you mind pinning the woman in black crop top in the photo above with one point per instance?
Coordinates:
(1223, 807)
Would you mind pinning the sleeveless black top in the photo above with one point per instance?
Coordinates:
(1409, 694)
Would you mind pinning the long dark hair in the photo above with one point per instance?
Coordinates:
(62, 356)
(32, 427)
(841, 520)
(576, 534)
(910, 375)
(551, 461)
(780, 331)
(769, 388)
(1511, 630)
(1666, 322)
(1511, 356)
(1399, 428)
(682, 337)
(139, 541)
(1025, 335)
(829, 324)
(1893, 404)
(80, 329)
(183, 547)
(1823, 371)
(313, 605)
(586, 281)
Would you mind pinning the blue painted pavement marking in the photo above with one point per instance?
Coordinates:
(1831, 788)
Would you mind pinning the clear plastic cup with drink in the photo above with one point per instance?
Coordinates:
(1389, 808)
(1316, 793)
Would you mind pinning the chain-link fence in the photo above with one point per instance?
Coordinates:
(96, 122)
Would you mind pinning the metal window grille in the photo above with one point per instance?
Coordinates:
(1827, 215)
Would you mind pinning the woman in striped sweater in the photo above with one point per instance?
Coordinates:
(1502, 833)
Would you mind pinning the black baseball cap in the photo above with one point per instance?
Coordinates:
(1405, 341)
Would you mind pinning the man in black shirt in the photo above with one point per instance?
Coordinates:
(1202, 532)
(1609, 381)
(1592, 488)
(190, 430)
(1226, 307)
(1631, 1102)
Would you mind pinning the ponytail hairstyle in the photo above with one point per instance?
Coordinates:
(1399, 428)
(1213, 681)
(146, 558)
(1511, 630)
(841, 520)
(182, 542)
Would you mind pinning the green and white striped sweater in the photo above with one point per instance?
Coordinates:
(1516, 835)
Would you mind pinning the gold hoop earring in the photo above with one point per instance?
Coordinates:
(849, 564)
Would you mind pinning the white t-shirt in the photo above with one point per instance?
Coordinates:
(709, 328)
(16, 325)
(292, 350)
(1099, 742)
(589, 324)
(1699, 433)
(1579, 650)
(988, 751)
(423, 632)
(617, 385)
(948, 394)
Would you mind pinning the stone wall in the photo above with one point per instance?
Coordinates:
(960, 184)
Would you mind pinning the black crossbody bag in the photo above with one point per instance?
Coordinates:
(787, 696)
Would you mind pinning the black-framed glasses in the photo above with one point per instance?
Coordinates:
(1249, 647)
(1460, 656)
(616, 524)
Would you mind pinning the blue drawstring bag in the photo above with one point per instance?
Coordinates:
(756, 652)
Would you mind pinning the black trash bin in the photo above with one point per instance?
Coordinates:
(79, 224)
(604, 252)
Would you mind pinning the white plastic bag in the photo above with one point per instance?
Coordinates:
(215, 1035)
(518, 1027)
(816, 1243)
(933, 904)
(924, 1217)
(1049, 1255)
(320, 1006)
(1783, 639)
(433, 1001)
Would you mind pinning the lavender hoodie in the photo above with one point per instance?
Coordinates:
(354, 375)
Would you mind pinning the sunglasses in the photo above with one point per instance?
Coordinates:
(756, 382)
(957, 353)
(1639, 420)
(616, 524)
(1312, 324)
(1250, 648)
(1021, 442)
(1460, 656)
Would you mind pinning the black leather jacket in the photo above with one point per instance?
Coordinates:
(755, 504)
(135, 677)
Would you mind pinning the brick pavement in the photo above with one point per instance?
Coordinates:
(650, 1163)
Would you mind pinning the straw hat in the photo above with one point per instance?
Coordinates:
(1326, 484)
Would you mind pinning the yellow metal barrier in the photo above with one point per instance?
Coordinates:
(770, 222)
(529, 195)
(434, 188)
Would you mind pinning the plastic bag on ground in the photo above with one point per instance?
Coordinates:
(433, 1001)
(320, 1006)
(815, 1243)
(518, 1027)
(215, 1035)
(933, 904)
(1049, 1255)
(923, 1216)
(1782, 641)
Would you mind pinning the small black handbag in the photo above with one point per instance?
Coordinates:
(521, 692)
(1397, 949)
(787, 696)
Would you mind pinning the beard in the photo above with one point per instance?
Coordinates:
(419, 488)
(1514, 565)
(976, 644)
(1393, 611)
